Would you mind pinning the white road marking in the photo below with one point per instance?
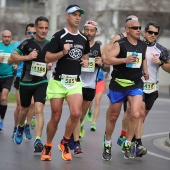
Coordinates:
(152, 153)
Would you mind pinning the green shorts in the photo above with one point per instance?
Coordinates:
(56, 90)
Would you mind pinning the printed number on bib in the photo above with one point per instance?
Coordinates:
(149, 87)
(90, 67)
(5, 56)
(38, 69)
(136, 64)
(68, 81)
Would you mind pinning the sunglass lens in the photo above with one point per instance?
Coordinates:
(152, 32)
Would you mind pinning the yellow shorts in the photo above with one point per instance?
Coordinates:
(56, 90)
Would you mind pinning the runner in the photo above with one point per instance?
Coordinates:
(100, 88)
(125, 84)
(157, 56)
(70, 49)
(29, 32)
(6, 73)
(89, 76)
(33, 80)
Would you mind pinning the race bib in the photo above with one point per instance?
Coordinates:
(90, 67)
(6, 57)
(136, 64)
(69, 81)
(38, 69)
(149, 87)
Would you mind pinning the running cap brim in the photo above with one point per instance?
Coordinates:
(90, 23)
(74, 9)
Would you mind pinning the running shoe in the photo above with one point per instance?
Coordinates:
(38, 146)
(33, 122)
(121, 141)
(93, 127)
(128, 151)
(78, 149)
(107, 155)
(18, 137)
(71, 142)
(13, 134)
(64, 148)
(82, 132)
(27, 132)
(89, 115)
(133, 147)
(1, 126)
(46, 153)
(140, 151)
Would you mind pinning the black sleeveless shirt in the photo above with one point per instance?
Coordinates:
(121, 71)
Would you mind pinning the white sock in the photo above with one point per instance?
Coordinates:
(127, 142)
(107, 142)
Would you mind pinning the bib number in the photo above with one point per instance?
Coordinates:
(90, 67)
(149, 87)
(136, 64)
(6, 57)
(69, 81)
(38, 69)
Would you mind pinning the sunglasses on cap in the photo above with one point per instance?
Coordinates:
(152, 32)
(91, 23)
(30, 33)
(133, 18)
(135, 27)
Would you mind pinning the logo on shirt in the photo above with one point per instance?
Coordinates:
(95, 53)
(75, 53)
(30, 49)
(69, 40)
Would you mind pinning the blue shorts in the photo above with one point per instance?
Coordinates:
(117, 96)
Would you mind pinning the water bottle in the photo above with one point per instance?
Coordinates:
(135, 53)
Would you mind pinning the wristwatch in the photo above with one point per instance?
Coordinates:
(161, 63)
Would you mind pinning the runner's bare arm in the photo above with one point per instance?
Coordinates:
(85, 60)
(16, 57)
(166, 67)
(103, 65)
(109, 46)
(145, 69)
(51, 57)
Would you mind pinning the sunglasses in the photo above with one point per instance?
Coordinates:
(91, 23)
(135, 27)
(30, 33)
(152, 32)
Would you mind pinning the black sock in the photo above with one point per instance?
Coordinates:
(76, 142)
(3, 109)
(139, 142)
(134, 139)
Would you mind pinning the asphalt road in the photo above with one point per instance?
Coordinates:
(157, 127)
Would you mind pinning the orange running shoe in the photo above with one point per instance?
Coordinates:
(46, 153)
(64, 148)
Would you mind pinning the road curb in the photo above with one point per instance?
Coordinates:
(167, 141)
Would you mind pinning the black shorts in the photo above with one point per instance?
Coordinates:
(125, 106)
(16, 83)
(149, 99)
(37, 91)
(6, 83)
(88, 94)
